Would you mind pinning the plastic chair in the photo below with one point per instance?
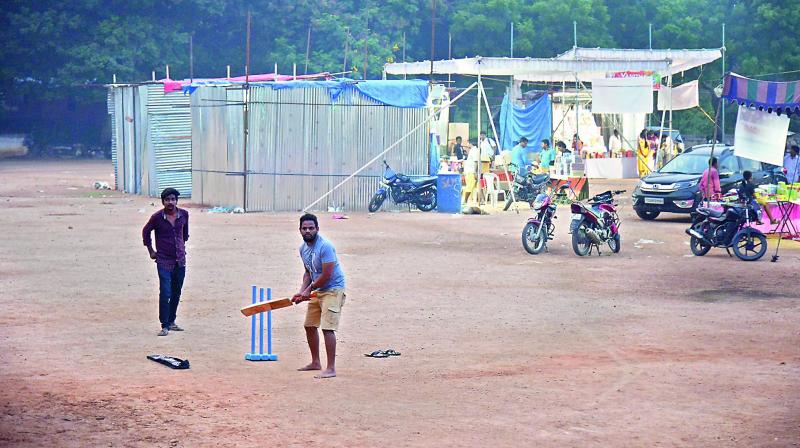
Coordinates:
(492, 188)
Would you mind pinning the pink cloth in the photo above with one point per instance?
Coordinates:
(794, 217)
(710, 189)
(171, 85)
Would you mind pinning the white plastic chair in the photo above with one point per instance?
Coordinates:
(492, 188)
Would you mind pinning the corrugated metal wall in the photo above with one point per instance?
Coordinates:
(300, 145)
(170, 140)
(112, 113)
(150, 139)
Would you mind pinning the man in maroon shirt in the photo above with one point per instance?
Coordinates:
(171, 226)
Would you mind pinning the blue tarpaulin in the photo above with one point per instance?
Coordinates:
(409, 94)
(532, 122)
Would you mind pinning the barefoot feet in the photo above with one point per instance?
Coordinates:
(327, 373)
(312, 366)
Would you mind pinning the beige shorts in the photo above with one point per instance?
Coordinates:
(324, 309)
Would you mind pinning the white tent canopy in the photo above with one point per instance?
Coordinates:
(679, 60)
(582, 64)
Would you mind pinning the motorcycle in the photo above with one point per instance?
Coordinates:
(728, 229)
(421, 192)
(539, 229)
(526, 187)
(596, 224)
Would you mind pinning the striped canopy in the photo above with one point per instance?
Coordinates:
(778, 97)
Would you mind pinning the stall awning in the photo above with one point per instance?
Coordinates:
(526, 69)
(778, 97)
(679, 60)
(583, 64)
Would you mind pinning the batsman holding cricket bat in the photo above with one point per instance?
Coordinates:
(324, 275)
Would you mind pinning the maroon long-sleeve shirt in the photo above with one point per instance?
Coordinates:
(170, 240)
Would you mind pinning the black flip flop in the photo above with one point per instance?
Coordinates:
(377, 354)
(391, 352)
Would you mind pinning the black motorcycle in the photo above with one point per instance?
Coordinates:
(728, 229)
(527, 187)
(420, 191)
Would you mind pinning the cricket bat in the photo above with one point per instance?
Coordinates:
(277, 304)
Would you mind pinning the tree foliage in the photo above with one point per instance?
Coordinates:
(66, 50)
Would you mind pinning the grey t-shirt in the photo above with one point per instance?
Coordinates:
(322, 251)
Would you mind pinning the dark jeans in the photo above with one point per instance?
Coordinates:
(169, 293)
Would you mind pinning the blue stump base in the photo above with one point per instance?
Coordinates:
(264, 357)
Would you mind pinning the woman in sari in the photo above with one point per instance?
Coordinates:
(643, 154)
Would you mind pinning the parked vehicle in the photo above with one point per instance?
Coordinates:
(13, 145)
(539, 229)
(527, 188)
(674, 188)
(420, 191)
(595, 224)
(728, 229)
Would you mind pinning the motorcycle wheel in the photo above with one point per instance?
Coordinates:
(614, 244)
(749, 245)
(581, 244)
(376, 201)
(427, 200)
(698, 247)
(532, 239)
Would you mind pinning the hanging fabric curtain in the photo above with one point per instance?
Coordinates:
(531, 122)
(622, 95)
(684, 96)
(778, 97)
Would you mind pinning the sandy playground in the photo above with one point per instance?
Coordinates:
(648, 347)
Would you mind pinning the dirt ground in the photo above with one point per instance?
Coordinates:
(648, 347)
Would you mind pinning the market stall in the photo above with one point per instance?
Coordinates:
(761, 129)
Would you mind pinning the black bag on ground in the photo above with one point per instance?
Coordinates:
(169, 361)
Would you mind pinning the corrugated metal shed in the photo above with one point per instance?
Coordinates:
(300, 145)
(151, 141)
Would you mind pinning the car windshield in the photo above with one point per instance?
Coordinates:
(686, 164)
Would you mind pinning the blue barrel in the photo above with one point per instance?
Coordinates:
(448, 190)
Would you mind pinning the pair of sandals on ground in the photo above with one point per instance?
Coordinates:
(382, 353)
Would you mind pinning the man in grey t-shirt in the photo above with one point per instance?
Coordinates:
(324, 275)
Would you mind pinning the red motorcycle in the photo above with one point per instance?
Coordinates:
(595, 224)
(539, 229)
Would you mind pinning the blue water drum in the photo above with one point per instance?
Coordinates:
(448, 189)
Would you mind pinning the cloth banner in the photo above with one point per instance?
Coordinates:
(532, 121)
(760, 135)
(685, 96)
(622, 95)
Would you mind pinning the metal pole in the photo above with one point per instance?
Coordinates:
(366, 53)
(574, 34)
(404, 52)
(433, 35)
(512, 39)
(308, 49)
(723, 74)
(449, 53)
(191, 60)
(478, 173)
(347, 48)
(246, 127)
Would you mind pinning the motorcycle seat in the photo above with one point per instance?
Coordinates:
(540, 178)
(423, 180)
(709, 212)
